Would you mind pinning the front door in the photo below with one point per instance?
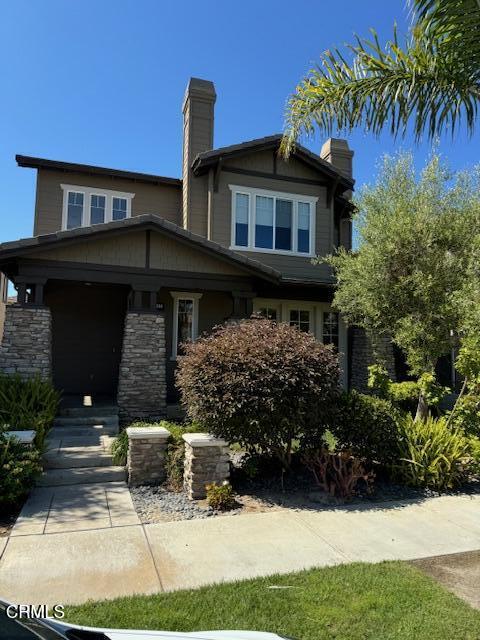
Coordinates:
(87, 333)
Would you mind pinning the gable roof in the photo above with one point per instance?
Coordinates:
(148, 221)
(43, 163)
(207, 159)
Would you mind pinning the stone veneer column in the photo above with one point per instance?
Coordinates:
(362, 357)
(26, 348)
(147, 448)
(206, 461)
(142, 389)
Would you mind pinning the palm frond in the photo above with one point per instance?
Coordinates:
(432, 81)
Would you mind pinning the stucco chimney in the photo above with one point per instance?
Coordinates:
(198, 119)
(337, 152)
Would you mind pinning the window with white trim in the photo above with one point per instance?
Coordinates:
(272, 222)
(97, 208)
(85, 206)
(330, 328)
(185, 320)
(300, 318)
(269, 312)
(75, 209)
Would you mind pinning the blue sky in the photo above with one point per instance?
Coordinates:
(101, 82)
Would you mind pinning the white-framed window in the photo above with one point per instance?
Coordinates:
(85, 206)
(301, 318)
(330, 328)
(98, 204)
(185, 319)
(273, 222)
(270, 313)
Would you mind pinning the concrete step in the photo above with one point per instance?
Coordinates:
(93, 420)
(86, 412)
(67, 459)
(81, 432)
(81, 475)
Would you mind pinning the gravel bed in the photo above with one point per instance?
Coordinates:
(158, 504)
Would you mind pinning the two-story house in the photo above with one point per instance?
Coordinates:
(123, 267)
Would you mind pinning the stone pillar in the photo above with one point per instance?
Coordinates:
(142, 389)
(26, 348)
(362, 356)
(206, 461)
(147, 447)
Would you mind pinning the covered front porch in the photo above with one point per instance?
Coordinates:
(104, 312)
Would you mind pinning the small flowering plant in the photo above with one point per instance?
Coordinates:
(221, 497)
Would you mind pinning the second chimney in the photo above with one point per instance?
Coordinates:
(337, 152)
(198, 119)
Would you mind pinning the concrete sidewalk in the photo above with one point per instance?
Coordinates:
(122, 560)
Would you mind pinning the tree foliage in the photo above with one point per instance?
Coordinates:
(407, 277)
(431, 80)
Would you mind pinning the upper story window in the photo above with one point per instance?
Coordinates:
(273, 222)
(85, 206)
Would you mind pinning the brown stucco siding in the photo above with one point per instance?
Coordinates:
(162, 200)
(290, 266)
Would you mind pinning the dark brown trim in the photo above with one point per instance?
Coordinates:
(73, 167)
(273, 176)
(207, 159)
(137, 278)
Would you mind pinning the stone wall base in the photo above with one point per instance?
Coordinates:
(142, 388)
(26, 347)
(147, 448)
(362, 356)
(207, 460)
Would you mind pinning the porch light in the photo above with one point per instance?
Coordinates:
(87, 401)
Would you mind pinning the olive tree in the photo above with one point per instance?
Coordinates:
(409, 273)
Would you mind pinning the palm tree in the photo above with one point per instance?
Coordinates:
(433, 81)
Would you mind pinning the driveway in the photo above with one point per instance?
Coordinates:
(112, 560)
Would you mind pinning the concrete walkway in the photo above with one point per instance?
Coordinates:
(105, 562)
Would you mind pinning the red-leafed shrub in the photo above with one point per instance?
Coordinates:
(258, 383)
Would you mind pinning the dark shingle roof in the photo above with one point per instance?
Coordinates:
(43, 163)
(205, 160)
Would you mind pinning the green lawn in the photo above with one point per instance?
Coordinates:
(385, 601)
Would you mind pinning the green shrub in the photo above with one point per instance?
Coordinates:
(28, 404)
(364, 425)
(221, 496)
(466, 414)
(405, 395)
(258, 383)
(431, 454)
(19, 467)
